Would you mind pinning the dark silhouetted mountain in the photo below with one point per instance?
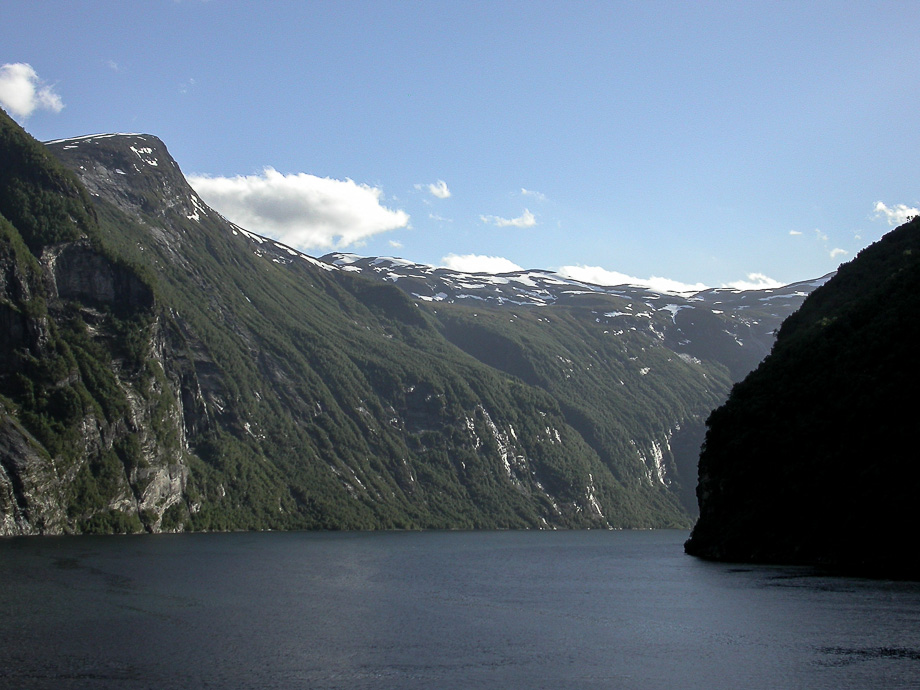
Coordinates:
(813, 457)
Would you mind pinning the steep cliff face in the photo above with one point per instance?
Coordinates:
(813, 458)
(85, 422)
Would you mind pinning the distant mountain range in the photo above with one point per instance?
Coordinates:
(164, 369)
(734, 327)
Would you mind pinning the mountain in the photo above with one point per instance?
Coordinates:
(166, 370)
(584, 344)
(813, 457)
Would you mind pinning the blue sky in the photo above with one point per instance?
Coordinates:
(699, 142)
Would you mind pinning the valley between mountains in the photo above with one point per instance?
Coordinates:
(162, 369)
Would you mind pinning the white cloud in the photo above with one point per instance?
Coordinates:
(22, 92)
(301, 210)
(901, 213)
(536, 195)
(440, 219)
(477, 263)
(396, 244)
(794, 232)
(525, 220)
(601, 276)
(755, 281)
(439, 189)
(824, 239)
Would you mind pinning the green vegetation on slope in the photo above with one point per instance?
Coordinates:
(278, 395)
(169, 371)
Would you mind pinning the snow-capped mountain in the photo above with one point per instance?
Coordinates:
(733, 327)
(541, 287)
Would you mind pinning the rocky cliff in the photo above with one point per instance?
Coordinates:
(813, 457)
(91, 439)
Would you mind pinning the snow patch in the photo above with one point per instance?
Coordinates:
(674, 308)
(87, 137)
(144, 153)
(319, 264)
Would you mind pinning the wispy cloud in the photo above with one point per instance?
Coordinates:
(187, 85)
(755, 281)
(601, 276)
(896, 215)
(439, 189)
(440, 219)
(396, 244)
(525, 220)
(22, 92)
(794, 233)
(478, 263)
(301, 210)
(536, 195)
(824, 240)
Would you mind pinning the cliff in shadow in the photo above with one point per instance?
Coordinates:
(813, 457)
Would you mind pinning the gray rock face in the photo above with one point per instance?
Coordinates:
(81, 274)
(35, 487)
(31, 490)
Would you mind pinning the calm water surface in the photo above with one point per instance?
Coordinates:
(437, 610)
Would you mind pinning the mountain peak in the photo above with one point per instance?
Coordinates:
(135, 170)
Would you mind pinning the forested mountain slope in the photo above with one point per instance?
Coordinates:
(813, 457)
(624, 361)
(164, 369)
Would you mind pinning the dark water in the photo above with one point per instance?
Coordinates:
(437, 610)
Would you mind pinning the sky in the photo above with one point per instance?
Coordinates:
(675, 144)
